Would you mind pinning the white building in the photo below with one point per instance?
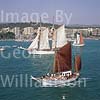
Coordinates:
(28, 30)
(69, 33)
(4, 30)
(16, 30)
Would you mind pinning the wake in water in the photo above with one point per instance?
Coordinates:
(22, 48)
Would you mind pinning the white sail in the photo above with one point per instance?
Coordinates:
(60, 37)
(34, 44)
(78, 39)
(44, 41)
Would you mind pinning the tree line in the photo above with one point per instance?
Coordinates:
(7, 35)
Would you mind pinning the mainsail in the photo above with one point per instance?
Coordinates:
(41, 41)
(78, 38)
(44, 41)
(77, 63)
(81, 39)
(59, 38)
(63, 59)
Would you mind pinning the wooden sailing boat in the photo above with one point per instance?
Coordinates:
(79, 40)
(40, 44)
(62, 70)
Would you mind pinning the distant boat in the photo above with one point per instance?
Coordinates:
(22, 48)
(2, 49)
(41, 45)
(14, 46)
(79, 40)
(62, 70)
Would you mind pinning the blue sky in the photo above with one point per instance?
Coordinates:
(83, 11)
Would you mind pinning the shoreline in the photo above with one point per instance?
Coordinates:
(24, 40)
(17, 40)
(89, 38)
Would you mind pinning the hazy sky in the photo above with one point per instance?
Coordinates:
(83, 11)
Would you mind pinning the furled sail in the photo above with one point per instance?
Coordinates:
(44, 41)
(81, 39)
(77, 63)
(34, 44)
(63, 59)
(59, 38)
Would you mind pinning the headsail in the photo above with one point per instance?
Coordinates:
(59, 38)
(34, 44)
(63, 59)
(44, 41)
(77, 63)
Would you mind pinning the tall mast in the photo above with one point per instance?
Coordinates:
(40, 23)
(55, 49)
(55, 34)
(39, 34)
(53, 23)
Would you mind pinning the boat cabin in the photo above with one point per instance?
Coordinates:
(67, 73)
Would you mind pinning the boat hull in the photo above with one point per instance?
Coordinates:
(78, 45)
(60, 82)
(40, 52)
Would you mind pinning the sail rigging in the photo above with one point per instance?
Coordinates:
(63, 59)
(59, 37)
(41, 41)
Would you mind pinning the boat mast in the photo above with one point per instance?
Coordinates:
(39, 34)
(54, 58)
(52, 31)
(40, 23)
(55, 48)
(53, 23)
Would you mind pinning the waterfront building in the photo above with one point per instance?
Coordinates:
(5, 30)
(28, 30)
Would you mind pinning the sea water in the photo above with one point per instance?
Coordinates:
(19, 67)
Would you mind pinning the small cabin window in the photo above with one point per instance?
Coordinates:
(66, 74)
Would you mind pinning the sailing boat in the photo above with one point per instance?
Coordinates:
(62, 69)
(79, 40)
(40, 44)
(2, 48)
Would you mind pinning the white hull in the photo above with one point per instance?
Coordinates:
(2, 49)
(78, 45)
(40, 52)
(60, 82)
